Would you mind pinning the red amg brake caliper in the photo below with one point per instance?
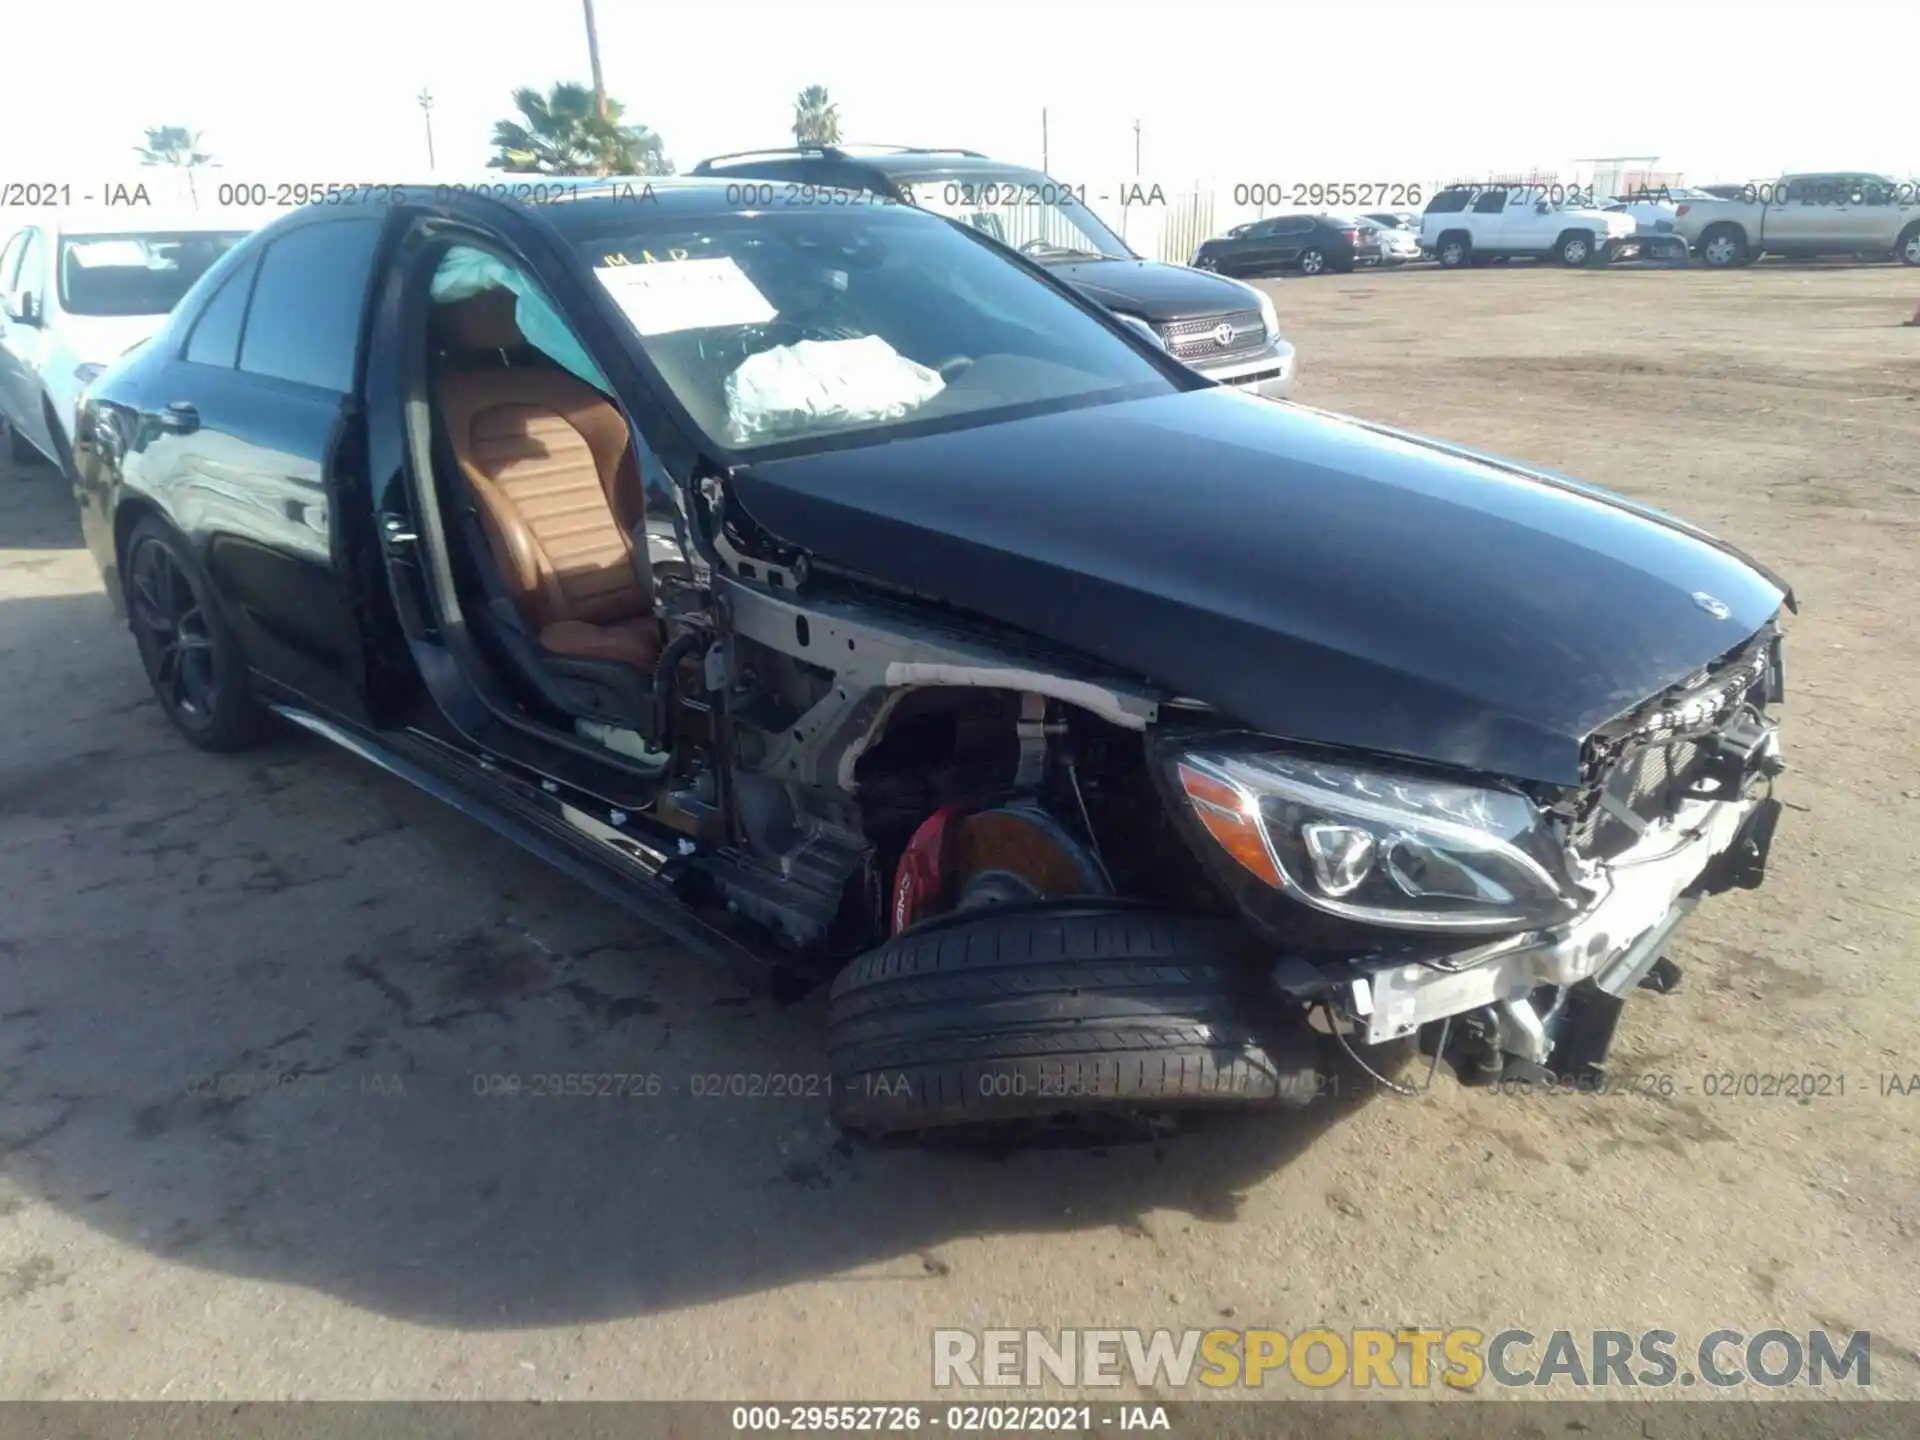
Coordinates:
(920, 883)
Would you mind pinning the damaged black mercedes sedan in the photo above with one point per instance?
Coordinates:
(861, 604)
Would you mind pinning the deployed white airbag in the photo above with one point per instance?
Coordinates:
(824, 382)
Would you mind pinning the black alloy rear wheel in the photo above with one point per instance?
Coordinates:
(192, 657)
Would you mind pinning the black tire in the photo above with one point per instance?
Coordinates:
(1576, 249)
(1907, 247)
(1312, 261)
(1453, 251)
(1725, 246)
(199, 676)
(1025, 1012)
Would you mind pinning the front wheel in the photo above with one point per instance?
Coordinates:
(1024, 1012)
(1313, 262)
(192, 657)
(1724, 248)
(1575, 248)
(1909, 246)
(1453, 252)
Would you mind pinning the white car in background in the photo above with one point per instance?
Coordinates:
(77, 291)
(1397, 246)
(1654, 211)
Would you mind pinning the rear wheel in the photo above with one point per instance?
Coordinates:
(1908, 247)
(192, 658)
(1313, 261)
(1030, 1011)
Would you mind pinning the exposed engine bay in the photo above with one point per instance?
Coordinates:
(882, 770)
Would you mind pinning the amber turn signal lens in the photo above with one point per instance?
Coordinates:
(1229, 817)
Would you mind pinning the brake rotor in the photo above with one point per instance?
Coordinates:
(1018, 853)
(1003, 856)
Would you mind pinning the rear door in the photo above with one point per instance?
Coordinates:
(260, 433)
(1289, 235)
(1808, 214)
(1486, 222)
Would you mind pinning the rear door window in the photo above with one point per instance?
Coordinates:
(1448, 202)
(304, 323)
(215, 339)
(1492, 202)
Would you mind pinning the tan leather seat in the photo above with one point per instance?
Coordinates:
(552, 470)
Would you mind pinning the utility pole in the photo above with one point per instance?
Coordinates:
(1136, 149)
(1045, 168)
(425, 101)
(593, 55)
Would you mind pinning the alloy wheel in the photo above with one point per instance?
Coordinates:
(1910, 250)
(1312, 263)
(173, 634)
(1720, 250)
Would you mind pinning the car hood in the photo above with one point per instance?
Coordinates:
(1311, 576)
(1612, 220)
(1154, 291)
(103, 339)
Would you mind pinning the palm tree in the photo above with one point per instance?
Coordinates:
(177, 146)
(565, 134)
(816, 119)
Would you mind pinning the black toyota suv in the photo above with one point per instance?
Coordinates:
(858, 602)
(1225, 330)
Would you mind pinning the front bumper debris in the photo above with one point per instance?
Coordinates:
(1588, 965)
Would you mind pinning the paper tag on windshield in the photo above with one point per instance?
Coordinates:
(685, 295)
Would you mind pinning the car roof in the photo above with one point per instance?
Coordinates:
(886, 160)
(145, 220)
(677, 194)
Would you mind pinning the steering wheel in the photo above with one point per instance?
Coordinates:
(954, 366)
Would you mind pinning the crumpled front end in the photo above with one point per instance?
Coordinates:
(1504, 926)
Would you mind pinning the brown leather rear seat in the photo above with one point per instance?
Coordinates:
(551, 466)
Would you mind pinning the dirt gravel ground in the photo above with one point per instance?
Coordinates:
(349, 1218)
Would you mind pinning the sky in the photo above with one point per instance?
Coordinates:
(1223, 92)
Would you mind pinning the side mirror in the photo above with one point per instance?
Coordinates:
(22, 308)
(1541, 207)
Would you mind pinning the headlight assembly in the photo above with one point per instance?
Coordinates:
(1379, 847)
(1269, 317)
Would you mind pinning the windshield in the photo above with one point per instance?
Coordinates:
(786, 325)
(1022, 208)
(136, 274)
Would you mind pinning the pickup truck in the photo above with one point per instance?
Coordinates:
(1833, 213)
(1469, 224)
